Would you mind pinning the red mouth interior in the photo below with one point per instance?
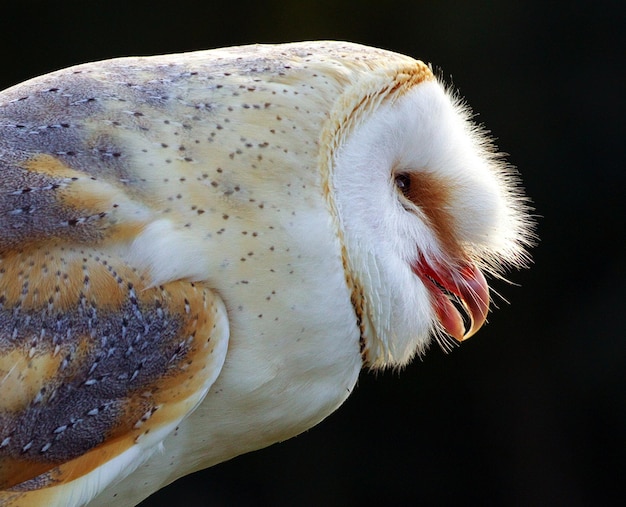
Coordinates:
(468, 284)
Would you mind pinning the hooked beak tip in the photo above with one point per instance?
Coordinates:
(469, 285)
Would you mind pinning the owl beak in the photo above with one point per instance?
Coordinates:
(469, 286)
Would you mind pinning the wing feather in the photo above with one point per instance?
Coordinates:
(97, 365)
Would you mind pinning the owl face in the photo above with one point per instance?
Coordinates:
(425, 206)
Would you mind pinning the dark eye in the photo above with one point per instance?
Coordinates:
(403, 182)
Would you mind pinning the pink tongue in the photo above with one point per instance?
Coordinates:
(449, 316)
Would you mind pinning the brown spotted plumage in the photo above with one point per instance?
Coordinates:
(199, 253)
(93, 360)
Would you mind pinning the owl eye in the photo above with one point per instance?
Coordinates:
(403, 182)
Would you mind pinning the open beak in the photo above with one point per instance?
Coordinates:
(468, 284)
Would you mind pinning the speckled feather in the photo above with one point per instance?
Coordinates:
(155, 212)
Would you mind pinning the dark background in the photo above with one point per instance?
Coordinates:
(532, 411)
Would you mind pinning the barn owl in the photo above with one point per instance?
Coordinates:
(200, 252)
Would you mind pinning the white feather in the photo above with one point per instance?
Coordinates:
(424, 131)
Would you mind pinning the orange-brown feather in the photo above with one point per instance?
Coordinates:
(433, 195)
(83, 284)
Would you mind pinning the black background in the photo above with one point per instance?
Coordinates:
(532, 411)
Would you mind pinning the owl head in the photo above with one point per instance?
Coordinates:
(426, 206)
